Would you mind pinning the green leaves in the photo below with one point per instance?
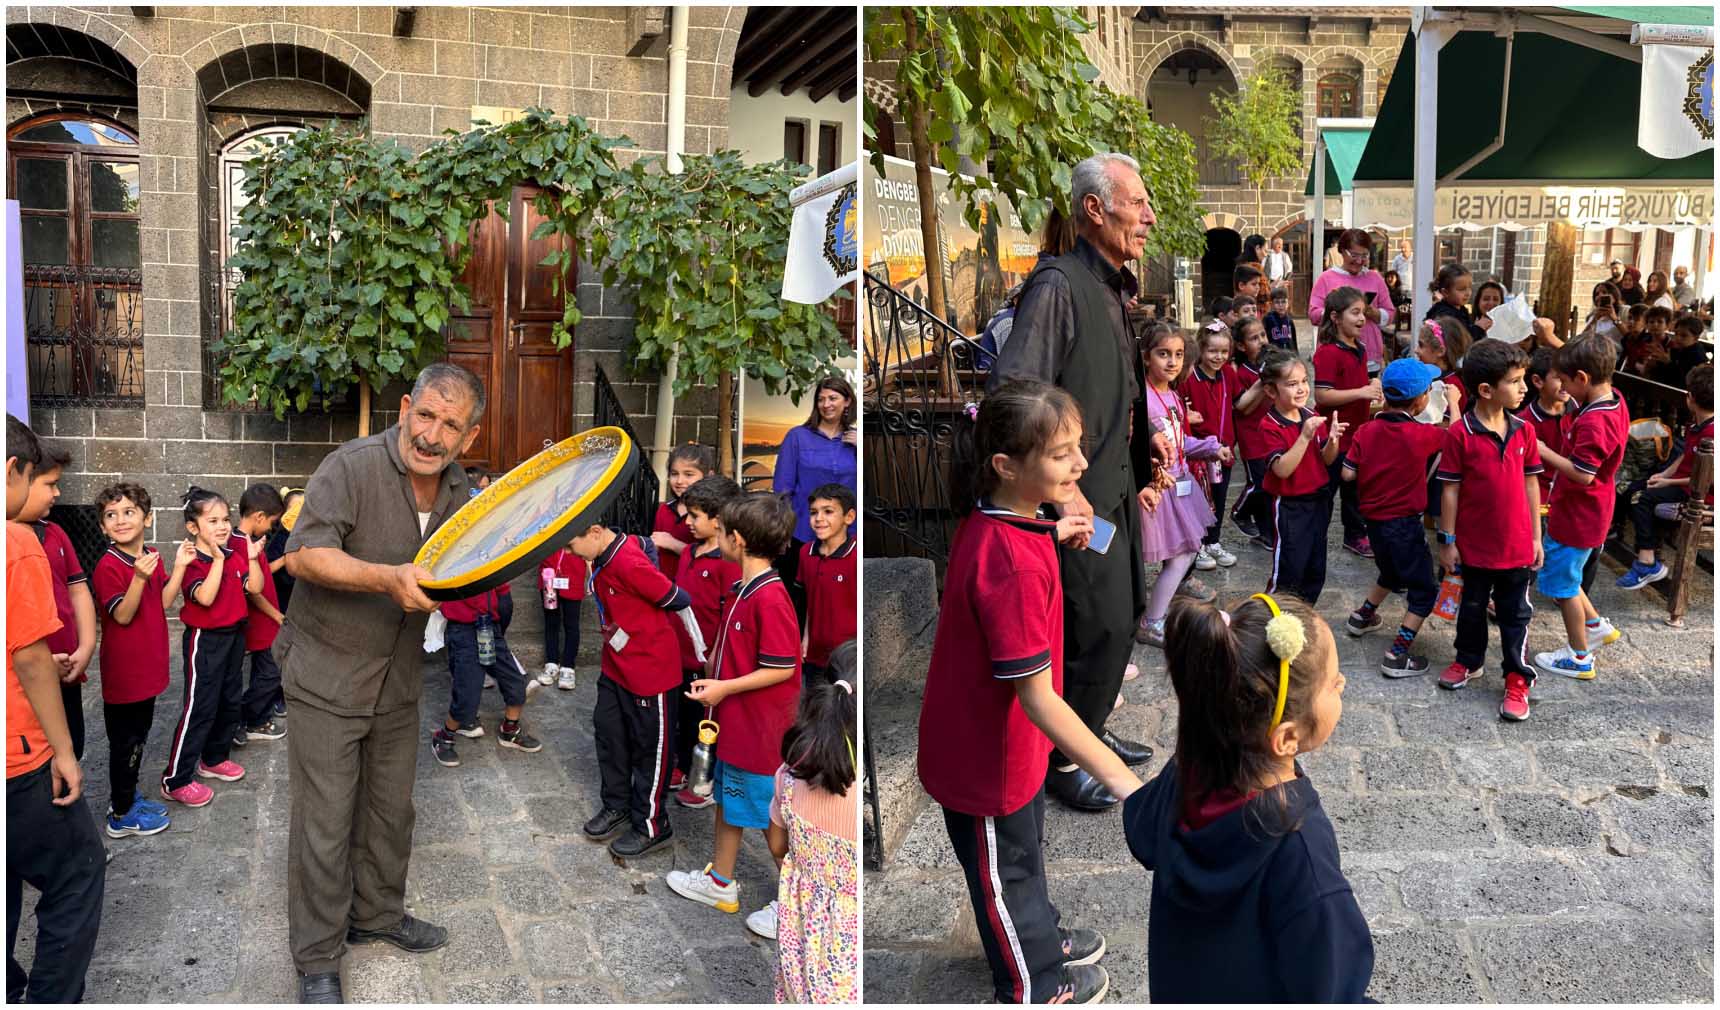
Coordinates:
(1257, 127)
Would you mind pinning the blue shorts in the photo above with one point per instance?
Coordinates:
(744, 796)
(1561, 576)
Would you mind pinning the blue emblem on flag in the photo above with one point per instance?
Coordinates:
(842, 232)
(1699, 99)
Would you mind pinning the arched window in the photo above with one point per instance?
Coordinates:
(231, 168)
(76, 181)
(1340, 96)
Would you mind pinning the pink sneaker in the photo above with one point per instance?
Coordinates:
(192, 794)
(692, 800)
(226, 771)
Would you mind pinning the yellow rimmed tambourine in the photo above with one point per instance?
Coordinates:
(522, 518)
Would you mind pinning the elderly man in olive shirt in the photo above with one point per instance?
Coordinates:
(350, 664)
(1072, 330)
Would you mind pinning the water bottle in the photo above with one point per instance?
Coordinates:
(486, 641)
(551, 599)
(704, 759)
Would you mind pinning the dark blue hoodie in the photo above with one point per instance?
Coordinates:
(1240, 915)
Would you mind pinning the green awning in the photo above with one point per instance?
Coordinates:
(1344, 146)
(1667, 15)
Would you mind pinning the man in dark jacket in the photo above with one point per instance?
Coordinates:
(1071, 329)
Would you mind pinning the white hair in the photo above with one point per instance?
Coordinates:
(1092, 175)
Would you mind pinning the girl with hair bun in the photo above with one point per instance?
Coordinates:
(1249, 903)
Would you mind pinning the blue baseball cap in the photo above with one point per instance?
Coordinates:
(1407, 378)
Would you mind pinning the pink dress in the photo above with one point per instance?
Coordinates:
(1368, 280)
(1180, 521)
(817, 893)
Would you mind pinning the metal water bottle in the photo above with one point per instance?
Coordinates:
(704, 759)
(551, 598)
(486, 641)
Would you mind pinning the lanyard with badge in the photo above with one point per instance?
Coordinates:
(1173, 430)
(615, 636)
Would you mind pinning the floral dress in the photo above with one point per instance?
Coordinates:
(817, 913)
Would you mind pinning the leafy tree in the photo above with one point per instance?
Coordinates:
(1257, 128)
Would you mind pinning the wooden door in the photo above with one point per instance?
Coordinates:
(504, 338)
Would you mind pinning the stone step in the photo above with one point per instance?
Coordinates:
(901, 619)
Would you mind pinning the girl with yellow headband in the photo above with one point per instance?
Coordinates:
(1249, 903)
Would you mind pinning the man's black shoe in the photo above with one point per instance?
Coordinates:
(323, 987)
(413, 935)
(635, 844)
(1129, 751)
(1079, 790)
(605, 824)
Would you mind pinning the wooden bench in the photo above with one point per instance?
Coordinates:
(1695, 532)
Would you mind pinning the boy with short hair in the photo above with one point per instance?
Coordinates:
(635, 716)
(1683, 353)
(134, 591)
(51, 841)
(1671, 485)
(1249, 280)
(1648, 352)
(1548, 409)
(1583, 499)
(706, 577)
(1280, 325)
(259, 507)
(754, 687)
(74, 644)
(1388, 460)
(689, 463)
(829, 571)
(1224, 310)
(474, 629)
(1490, 520)
(1245, 307)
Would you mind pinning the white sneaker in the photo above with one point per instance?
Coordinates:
(1217, 553)
(489, 682)
(547, 677)
(1605, 634)
(1204, 561)
(763, 921)
(698, 886)
(569, 679)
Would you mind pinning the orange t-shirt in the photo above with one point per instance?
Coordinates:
(30, 617)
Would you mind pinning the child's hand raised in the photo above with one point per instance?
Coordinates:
(185, 555)
(1338, 429)
(707, 691)
(1453, 399)
(146, 566)
(664, 541)
(1311, 427)
(1071, 527)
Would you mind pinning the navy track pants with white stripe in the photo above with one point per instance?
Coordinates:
(1003, 860)
(209, 716)
(1299, 560)
(635, 753)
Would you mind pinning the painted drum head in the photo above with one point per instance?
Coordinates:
(527, 514)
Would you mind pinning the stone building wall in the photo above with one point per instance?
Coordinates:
(568, 59)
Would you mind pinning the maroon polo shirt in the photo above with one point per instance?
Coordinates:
(707, 578)
(229, 606)
(468, 610)
(1001, 620)
(630, 593)
(1693, 436)
(1214, 398)
(1391, 457)
(134, 656)
(1248, 439)
(1581, 513)
(1553, 429)
(669, 520)
(1454, 379)
(832, 597)
(260, 630)
(68, 572)
(1277, 434)
(760, 630)
(1494, 528)
(1340, 366)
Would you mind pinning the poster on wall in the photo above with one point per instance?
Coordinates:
(766, 418)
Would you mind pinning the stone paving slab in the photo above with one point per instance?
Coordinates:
(1568, 858)
(535, 911)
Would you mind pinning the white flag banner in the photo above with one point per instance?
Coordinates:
(824, 237)
(1677, 117)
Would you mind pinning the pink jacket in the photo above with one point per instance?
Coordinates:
(1369, 280)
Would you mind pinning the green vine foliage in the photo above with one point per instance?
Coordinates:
(704, 252)
(350, 249)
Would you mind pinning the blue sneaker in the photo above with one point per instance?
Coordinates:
(139, 820)
(1565, 663)
(1641, 575)
(149, 805)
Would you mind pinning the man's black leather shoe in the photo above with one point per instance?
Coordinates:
(413, 935)
(323, 987)
(1079, 790)
(605, 824)
(635, 844)
(1129, 751)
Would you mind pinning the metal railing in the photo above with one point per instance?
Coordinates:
(634, 511)
(920, 373)
(83, 334)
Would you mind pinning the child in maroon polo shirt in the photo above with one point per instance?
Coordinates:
(1252, 512)
(752, 687)
(993, 704)
(1300, 453)
(1672, 484)
(134, 592)
(74, 645)
(829, 569)
(635, 716)
(1583, 496)
(1389, 461)
(222, 570)
(259, 507)
(1210, 390)
(670, 532)
(1344, 392)
(1549, 410)
(706, 577)
(1490, 520)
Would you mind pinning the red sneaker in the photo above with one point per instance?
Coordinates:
(677, 781)
(1457, 676)
(692, 800)
(192, 794)
(1515, 707)
(226, 771)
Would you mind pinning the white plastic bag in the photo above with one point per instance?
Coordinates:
(433, 632)
(1513, 320)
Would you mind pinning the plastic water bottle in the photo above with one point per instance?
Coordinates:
(551, 598)
(704, 759)
(486, 641)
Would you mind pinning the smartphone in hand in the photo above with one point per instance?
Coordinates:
(1104, 531)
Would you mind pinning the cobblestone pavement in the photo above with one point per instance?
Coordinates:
(535, 912)
(1567, 858)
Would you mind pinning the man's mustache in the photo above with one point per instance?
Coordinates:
(427, 447)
